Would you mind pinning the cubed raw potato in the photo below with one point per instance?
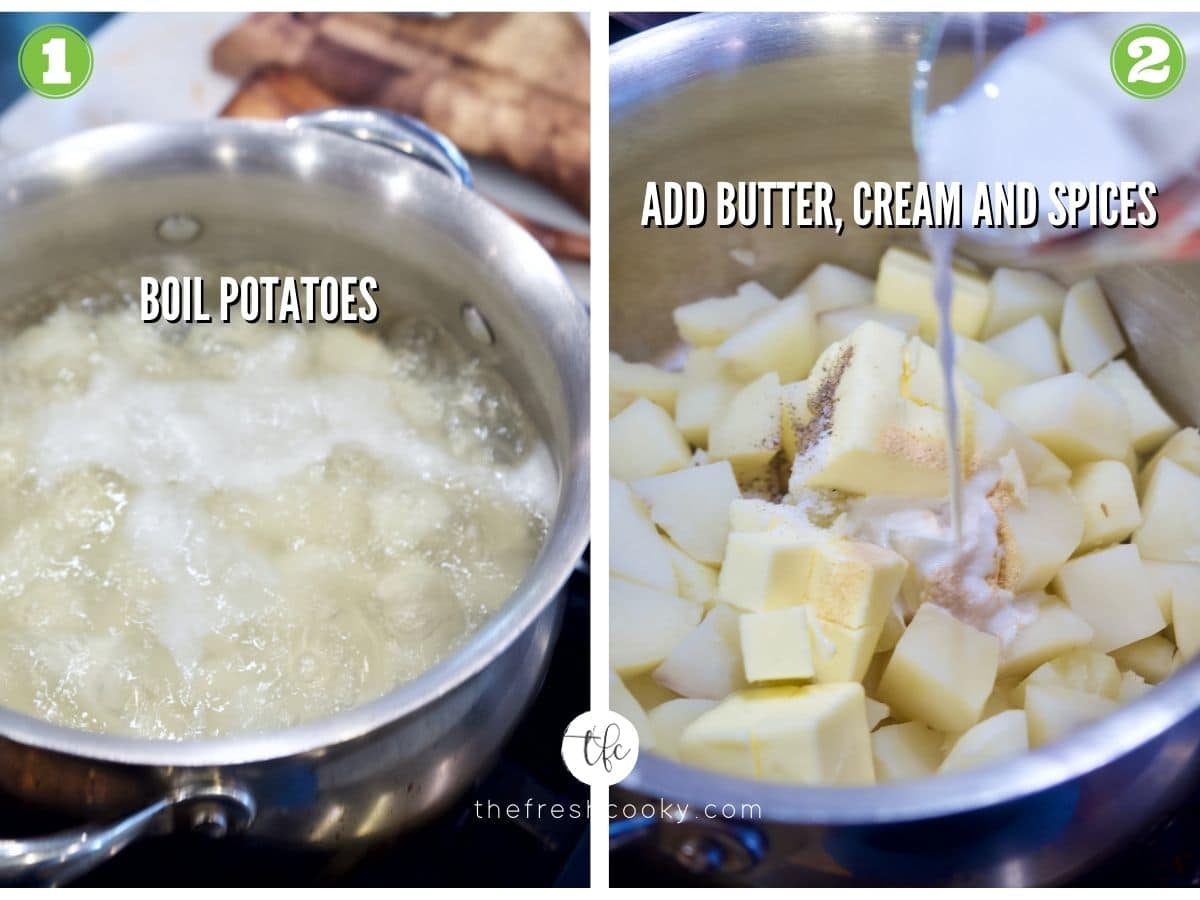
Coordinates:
(839, 324)
(694, 580)
(627, 381)
(1170, 528)
(782, 340)
(1003, 735)
(707, 323)
(1150, 425)
(1053, 712)
(707, 662)
(692, 506)
(1109, 590)
(1150, 657)
(648, 692)
(645, 625)
(765, 570)
(776, 645)
(1054, 631)
(747, 432)
(1078, 419)
(700, 403)
(1169, 579)
(643, 441)
(622, 702)
(854, 583)
(905, 284)
(876, 712)
(1017, 295)
(832, 287)
(668, 721)
(799, 735)
(1133, 687)
(995, 373)
(1185, 610)
(1040, 536)
(1110, 505)
(1182, 448)
(1081, 669)
(839, 653)
(636, 550)
(941, 671)
(866, 438)
(1089, 332)
(905, 752)
(1032, 344)
(793, 405)
(993, 437)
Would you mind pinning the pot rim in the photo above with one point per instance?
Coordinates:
(567, 536)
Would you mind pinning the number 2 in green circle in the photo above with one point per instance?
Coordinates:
(1147, 61)
(55, 61)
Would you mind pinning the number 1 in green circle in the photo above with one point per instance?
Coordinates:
(1147, 61)
(55, 61)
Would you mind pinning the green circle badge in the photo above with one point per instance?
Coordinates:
(55, 61)
(1148, 61)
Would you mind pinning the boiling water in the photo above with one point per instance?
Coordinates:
(224, 528)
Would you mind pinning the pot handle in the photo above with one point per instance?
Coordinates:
(400, 133)
(57, 858)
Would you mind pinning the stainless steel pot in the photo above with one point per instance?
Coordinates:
(826, 97)
(340, 192)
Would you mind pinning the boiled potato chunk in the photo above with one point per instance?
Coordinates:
(995, 373)
(694, 580)
(747, 432)
(1053, 712)
(1078, 419)
(782, 340)
(832, 287)
(1185, 610)
(993, 437)
(1110, 505)
(1150, 657)
(841, 653)
(1004, 734)
(622, 702)
(1133, 686)
(905, 752)
(645, 625)
(1182, 448)
(707, 662)
(1168, 579)
(1054, 631)
(1149, 423)
(1032, 344)
(648, 692)
(1040, 535)
(941, 671)
(793, 403)
(1082, 669)
(854, 583)
(707, 323)
(700, 403)
(876, 712)
(905, 284)
(1109, 590)
(692, 506)
(799, 735)
(765, 570)
(628, 381)
(1089, 332)
(668, 721)
(1170, 528)
(636, 550)
(1018, 295)
(776, 645)
(643, 441)
(839, 324)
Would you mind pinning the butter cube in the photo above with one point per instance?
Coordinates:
(776, 645)
(1053, 712)
(749, 514)
(748, 430)
(1055, 631)
(1032, 344)
(1170, 528)
(643, 441)
(628, 381)
(765, 570)
(709, 322)
(1110, 505)
(905, 752)
(795, 415)
(1089, 333)
(853, 583)
(1003, 735)
(1018, 294)
(645, 625)
(905, 284)
(1109, 590)
(1078, 419)
(782, 340)
(692, 506)
(798, 735)
(842, 654)
(1150, 657)
(668, 721)
(707, 662)
(1150, 424)
(941, 671)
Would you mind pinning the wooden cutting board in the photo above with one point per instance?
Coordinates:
(509, 86)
